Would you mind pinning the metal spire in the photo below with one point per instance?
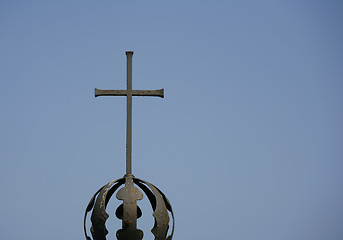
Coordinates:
(129, 211)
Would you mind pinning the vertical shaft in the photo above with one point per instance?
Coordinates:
(129, 55)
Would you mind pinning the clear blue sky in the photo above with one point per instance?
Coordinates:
(247, 143)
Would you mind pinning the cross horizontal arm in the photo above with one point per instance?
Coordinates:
(152, 93)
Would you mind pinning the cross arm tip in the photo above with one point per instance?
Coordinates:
(162, 93)
(96, 92)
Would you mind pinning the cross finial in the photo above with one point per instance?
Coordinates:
(129, 211)
(129, 93)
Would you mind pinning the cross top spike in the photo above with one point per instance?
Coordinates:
(129, 93)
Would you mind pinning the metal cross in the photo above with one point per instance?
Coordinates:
(129, 211)
(129, 93)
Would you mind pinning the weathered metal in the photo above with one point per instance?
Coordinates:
(151, 93)
(159, 202)
(129, 212)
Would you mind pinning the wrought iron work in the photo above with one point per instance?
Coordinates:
(129, 211)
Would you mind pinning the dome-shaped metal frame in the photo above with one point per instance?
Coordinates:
(159, 202)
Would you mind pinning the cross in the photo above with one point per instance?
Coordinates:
(129, 93)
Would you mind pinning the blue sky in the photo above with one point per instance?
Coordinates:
(246, 144)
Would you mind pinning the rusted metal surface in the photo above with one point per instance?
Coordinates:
(129, 195)
(129, 211)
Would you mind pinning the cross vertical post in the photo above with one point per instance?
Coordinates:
(129, 55)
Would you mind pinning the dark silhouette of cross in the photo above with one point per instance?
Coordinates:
(129, 93)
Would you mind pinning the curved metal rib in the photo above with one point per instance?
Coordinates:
(99, 215)
(169, 207)
(160, 206)
(88, 209)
